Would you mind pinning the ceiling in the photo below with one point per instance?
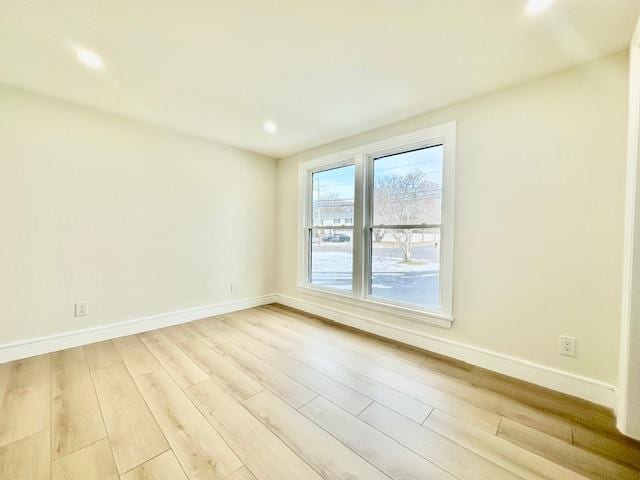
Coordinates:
(321, 69)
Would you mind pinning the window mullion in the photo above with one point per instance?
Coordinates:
(358, 237)
(368, 221)
(308, 216)
(308, 233)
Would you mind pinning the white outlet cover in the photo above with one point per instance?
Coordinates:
(82, 309)
(567, 345)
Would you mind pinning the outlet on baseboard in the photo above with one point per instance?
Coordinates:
(82, 309)
(567, 346)
(233, 288)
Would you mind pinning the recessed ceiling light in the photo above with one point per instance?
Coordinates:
(270, 127)
(534, 7)
(89, 58)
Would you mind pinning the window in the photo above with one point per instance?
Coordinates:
(404, 235)
(377, 225)
(331, 249)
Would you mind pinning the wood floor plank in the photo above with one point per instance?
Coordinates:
(218, 367)
(485, 399)
(174, 360)
(291, 391)
(223, 329)
(27, 458)
(199, 448)
(546, 400)
(346, 398)
(76, 418)
(249, 329)
(323, 452)
(25, 406)
(162, 467)
(446, 402)
(365, 343)
(94, 462)
(448, 455)
(343, 396)
(348, 339)
(134, 434)
(279, 328)
(258, 448)
(241, 474)
(5, 375)
(409, 406)
(575, 458)
(498, 450)
(101, 354)
(230, 331)
(176, 333)
(388, 455)
(387, 396)
(203, 331)
(136, 356)
(308, 336)
(624, 450)
(74, 354)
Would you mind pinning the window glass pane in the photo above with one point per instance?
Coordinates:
(407, 187)
(405, 266)
(331, 257)
(332, 196)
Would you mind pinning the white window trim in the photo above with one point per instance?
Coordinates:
(361, 157)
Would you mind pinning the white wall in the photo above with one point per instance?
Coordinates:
(539, 218)
(137, 220)
(142, 221)
(628, 412)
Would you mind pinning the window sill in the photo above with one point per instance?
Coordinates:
(414, 315)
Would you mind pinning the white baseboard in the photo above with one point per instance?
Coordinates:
(565, 382)
(38, 346)
(576, 385)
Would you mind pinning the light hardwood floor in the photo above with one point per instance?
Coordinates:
(272, 393)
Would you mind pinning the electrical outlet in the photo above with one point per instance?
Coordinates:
(233, 288)
(82, 309)
(568, 346)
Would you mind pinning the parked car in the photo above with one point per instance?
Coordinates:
(336, 237)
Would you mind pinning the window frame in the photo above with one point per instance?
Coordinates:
(362, 158)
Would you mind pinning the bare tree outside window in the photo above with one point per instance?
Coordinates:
(405, 231)
(407, 199)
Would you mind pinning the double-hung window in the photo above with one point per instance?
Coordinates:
(376, 225)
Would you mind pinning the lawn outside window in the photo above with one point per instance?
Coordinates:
(376, 225)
